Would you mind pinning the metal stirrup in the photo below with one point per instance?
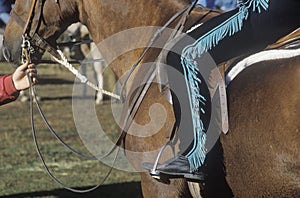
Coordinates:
(155, 174)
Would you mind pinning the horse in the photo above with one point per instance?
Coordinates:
(78, 32)
(260, 154)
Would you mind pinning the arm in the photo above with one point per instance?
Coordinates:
(10, 85)
(8, 92)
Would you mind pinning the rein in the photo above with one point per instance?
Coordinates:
(30, 36)
(32, 95)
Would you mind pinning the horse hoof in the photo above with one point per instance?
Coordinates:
(99, 102)
(24, 99)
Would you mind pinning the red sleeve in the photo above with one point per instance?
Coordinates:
(8, 92)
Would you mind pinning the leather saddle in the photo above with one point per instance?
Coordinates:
(290, 41)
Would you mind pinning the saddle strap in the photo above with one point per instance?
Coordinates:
(286, 40)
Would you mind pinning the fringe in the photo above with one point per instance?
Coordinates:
(197, 154)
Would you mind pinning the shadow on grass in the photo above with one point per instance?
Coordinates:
(124, 190)
(55, 81)
(67, 98)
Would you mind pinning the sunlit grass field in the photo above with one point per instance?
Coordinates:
(21, 171)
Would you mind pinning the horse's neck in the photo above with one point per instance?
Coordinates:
(111, 17)
(106, 18)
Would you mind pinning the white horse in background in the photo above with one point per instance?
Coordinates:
(90, 54)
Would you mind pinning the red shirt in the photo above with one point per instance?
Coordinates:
(8, 92)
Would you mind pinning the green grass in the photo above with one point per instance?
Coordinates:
(21, 171)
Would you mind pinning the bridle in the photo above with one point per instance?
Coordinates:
(31, 26)
(30, 36)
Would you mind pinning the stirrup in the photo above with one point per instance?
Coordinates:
(154, 172)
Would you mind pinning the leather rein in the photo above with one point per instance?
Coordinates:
(31, 36)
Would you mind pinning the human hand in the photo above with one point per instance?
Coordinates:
(20, 78)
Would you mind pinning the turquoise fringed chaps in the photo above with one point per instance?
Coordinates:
(197, 154)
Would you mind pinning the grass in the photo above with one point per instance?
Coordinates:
(21, 171)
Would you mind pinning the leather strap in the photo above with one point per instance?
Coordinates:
(293, 36)
(58, 9)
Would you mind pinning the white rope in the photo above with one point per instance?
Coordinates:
(82, 78)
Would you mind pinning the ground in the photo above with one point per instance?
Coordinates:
(21, 171)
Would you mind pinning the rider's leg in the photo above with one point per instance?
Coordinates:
(257, 32)
(183, 108)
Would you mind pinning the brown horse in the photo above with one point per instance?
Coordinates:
(260, 155)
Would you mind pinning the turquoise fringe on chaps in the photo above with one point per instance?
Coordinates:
(197, 154)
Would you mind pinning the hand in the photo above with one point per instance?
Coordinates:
(20, 78)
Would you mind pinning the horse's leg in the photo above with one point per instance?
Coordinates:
(1, 45)
(98, 68)
(153, 189)
(23, 97)
(93, 53)
(144, 139)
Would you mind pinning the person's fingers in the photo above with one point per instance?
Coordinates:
(32, 74)
(34, 77)
(31, 71)
(23, 67)
(31, 66)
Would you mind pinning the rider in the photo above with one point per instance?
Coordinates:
(248, 29)
(10, 85)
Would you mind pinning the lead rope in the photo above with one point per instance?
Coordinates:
(83, 79)
(32, 95)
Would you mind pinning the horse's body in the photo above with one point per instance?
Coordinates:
(261, 152)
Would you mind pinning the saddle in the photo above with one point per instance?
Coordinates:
(290, 41)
